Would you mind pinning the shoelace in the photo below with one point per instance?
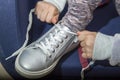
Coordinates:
(52, 42)
(27, 36)
(42, 45)
(85, 68)
(84, 63)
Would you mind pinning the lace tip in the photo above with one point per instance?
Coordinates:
(33, 10)
(82, 74)
(8, 58)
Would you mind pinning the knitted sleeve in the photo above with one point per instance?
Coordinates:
(79, 14)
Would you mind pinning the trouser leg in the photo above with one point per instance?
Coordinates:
(112, 27)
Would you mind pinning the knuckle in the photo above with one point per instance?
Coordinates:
(83, 50)
(87, 43)
(84, 55)
(87, 50)
(89, 55)
(38, 3)
(81, 44)
(48, 21)
(42, 19)
(89, 36)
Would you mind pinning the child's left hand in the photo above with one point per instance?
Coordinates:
(87, 40)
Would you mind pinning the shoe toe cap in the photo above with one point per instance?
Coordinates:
(32, 60)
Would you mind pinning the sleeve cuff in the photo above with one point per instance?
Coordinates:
(102, 47)
(115, 57)
(60, 4)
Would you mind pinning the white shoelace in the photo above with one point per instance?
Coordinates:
(41, 45)
(83, 69)
(27, 36)
(54, 39)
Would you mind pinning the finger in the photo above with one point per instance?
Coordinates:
(88, 42)
(78, 32)
(50, 15)
(87, 50)
(82, 44)
(49, 18)
(83, 50)
(81, 37)
(39, 12)
(83, 32)
(84, 55)
(55, 19)
(89, 55)
(38, 9)
(43, 15)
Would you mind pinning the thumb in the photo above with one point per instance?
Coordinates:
(81, 35)
(84, 32)
(78, 33)
(55, 19)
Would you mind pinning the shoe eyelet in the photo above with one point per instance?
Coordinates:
(61, 41)
(53, 51)
(57, 46)
(66, 37)
(50, 56)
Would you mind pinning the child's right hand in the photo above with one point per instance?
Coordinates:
(47, 12)
(87, 40)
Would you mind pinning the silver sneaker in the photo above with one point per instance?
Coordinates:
(40, 58)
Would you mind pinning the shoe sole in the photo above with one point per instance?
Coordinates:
(36, 74)
(42, 73)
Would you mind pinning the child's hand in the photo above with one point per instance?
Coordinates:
(87, 40)
(46, 12)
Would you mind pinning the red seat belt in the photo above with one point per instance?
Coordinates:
(83, 61)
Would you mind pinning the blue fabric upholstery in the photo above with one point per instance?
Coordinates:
(13, 23)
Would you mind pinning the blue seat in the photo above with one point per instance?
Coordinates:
(13, 24)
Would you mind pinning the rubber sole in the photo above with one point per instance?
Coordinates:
(42, 73)
(36, 74)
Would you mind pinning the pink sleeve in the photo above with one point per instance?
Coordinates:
(79, 14)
